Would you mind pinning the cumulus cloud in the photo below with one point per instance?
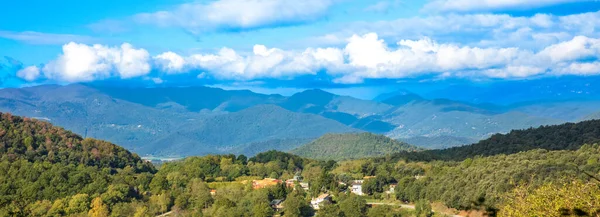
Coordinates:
(263, 62)
(481, 30)
(30, 73)
(363, 57)
(170, 62)
(369, 57)
(81, 62)
(488, 5)
(237, 14)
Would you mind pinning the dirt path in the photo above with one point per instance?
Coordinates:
(165, 214)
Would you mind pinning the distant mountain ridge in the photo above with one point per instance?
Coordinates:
(229, 132)
(205, 120)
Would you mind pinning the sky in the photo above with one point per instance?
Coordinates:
(281, 46)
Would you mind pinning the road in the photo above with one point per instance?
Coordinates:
(165, 214)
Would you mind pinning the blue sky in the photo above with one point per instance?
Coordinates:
(286, 45)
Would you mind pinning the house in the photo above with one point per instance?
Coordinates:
(356, 187)
(392, 189)
(267, 182)
(213, 192)
(316, 202)
(277, 205)
(298, 177)
(304, 185)
(290, 183)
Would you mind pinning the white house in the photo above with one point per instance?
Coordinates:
(316, 202)
(356, 187)
(304, 185)
(392, 189)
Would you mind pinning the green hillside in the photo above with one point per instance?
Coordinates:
(569, 136)
(37, 141)
(41, 163)
(351, 146)
(483, 182)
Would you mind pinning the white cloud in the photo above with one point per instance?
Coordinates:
(369, 56)
(30, 73)
(80, 62)
(263, 62)
(578, 48)
(363, 57)
(170, 62)
(45, 38)
(481, 30)
(592, 68)
(237, 14)
(488, 5)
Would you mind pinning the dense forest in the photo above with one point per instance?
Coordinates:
(352, 146)
(47, 171)
(569, 136)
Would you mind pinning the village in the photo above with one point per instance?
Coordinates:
(352, 187)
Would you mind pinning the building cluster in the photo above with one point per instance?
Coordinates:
(355, 187)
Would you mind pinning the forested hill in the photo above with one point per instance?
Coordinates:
(352, 146)
(41, 163)
(38, 141)
(569, 136)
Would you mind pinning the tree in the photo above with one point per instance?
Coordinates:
(383, 211)
(296, 206)
(115, 194)
(200, 197)
(262, 209)
(160, 203)
(373, 185)
(575, 198)
(39, 208)
(79, 203)
(141, 211)
(98, 209)
(423, 208)
(353, 206)
(58, 208)
(328, 209)
(278, 191)
(242, 159)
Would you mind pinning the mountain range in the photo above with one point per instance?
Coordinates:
(183, 121)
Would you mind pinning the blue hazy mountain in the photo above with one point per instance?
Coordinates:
(510, 92)
(204, 120)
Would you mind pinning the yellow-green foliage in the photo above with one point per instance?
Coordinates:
(575, 198)
(215, 185)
